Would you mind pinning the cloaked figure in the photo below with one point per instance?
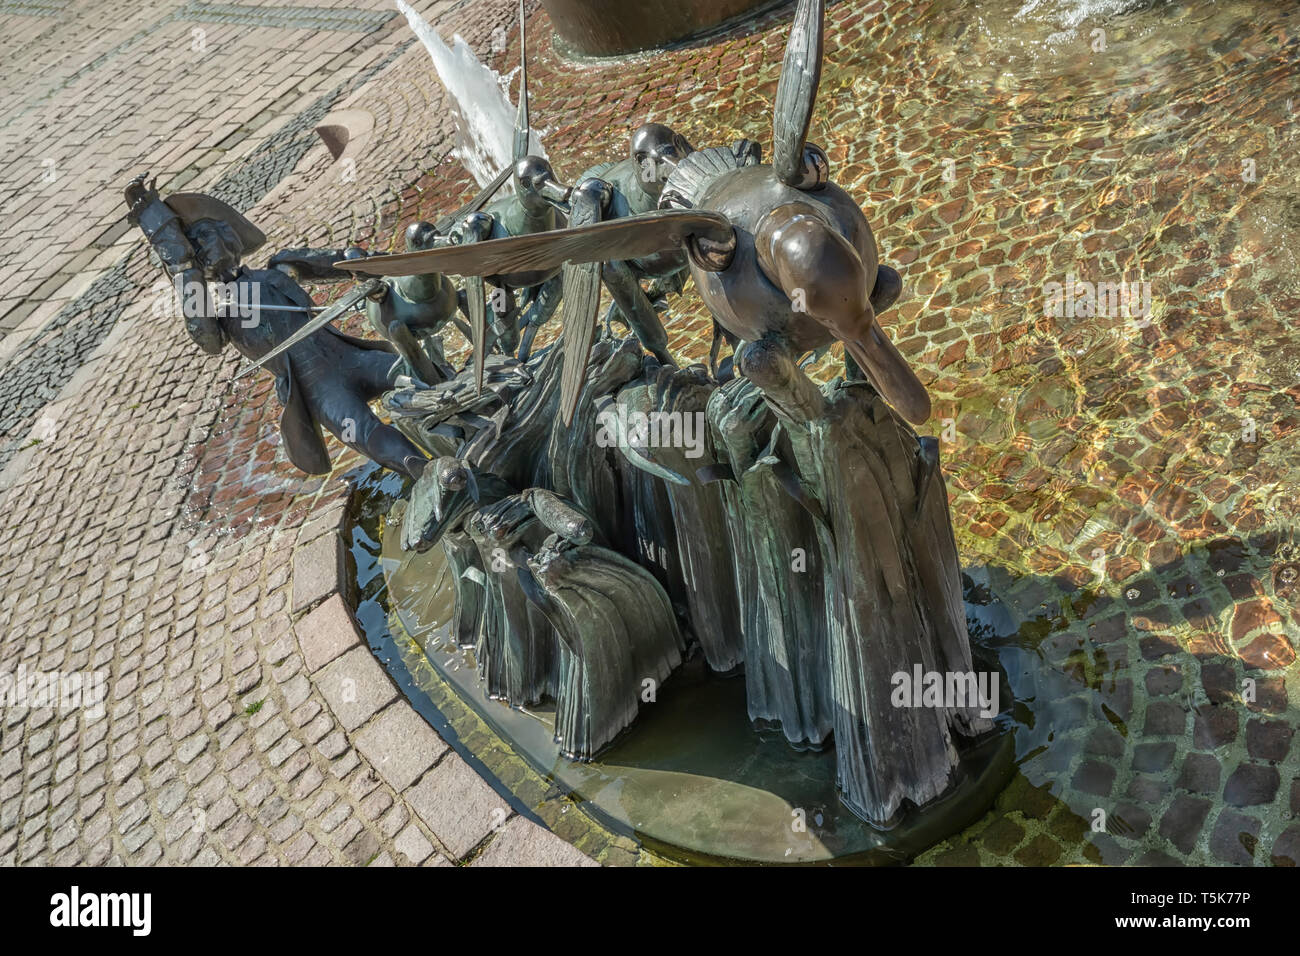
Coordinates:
(325, 381)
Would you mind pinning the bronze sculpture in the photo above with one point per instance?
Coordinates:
(778, 252)
(621, 190)
(411, 311)
(327, 380)
(787, 264)
(586, 561)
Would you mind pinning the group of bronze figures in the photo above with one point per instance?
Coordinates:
(806, 541)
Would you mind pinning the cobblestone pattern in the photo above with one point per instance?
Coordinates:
(237, 149)
(228, 736)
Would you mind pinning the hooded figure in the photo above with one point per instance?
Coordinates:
(327, 380)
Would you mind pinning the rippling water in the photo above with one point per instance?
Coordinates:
(1123, 481)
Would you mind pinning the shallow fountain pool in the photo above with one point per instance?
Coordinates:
(1122, 479)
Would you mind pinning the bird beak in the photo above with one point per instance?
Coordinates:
(823, 273)
(555, 191)
(889, 372)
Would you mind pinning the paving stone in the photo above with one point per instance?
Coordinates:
(356, 687)
(1235, 838)
(523, 843)
(1270, 695)
(394, 820)
(342, 838)
(299, 847)
(317, 569)
(1094, 777)
(1002, 836)
(363, 849)
(456, 805)
(413, 844)
(1129, 821)
(374, 806)
(1104, 742)
(1161, 681)
(190, 748)
(326, 633)
(283, 751)
(1042, 850)
(1165, 717)
(318, 856)
(1182, 822)
(1069, 827)
(307, 783)
(1200, 774)
(1251, 785)
(1214, 727)
(1286, 849)
(400, 745)
(1153, 757)
(1268, 739)
(1219, 678)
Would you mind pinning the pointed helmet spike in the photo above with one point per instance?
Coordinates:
(796, 94)
(522, 127)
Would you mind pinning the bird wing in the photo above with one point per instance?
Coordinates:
(581, 302)
(634, 237)
(796, 93)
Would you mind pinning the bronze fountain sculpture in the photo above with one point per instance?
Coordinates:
(410, 312)
(795, 532)
(328, 380)
(786, 262)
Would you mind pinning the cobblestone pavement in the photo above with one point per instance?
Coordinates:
(228, 734)
(94, 92)
(215, 97)
(1106, 484)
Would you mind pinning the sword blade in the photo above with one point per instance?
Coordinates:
(474, 205)
(344, 305)
(247, 307)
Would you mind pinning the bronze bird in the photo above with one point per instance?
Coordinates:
(779, 253)
(422, 300)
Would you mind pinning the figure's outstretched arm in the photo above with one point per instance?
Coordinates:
(316, 264)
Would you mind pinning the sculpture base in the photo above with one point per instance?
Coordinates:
(598, 28)
(691, 779)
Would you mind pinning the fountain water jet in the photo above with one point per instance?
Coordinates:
(484, 116)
